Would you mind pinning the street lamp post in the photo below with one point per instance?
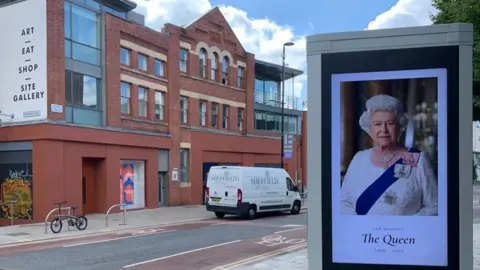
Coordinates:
(283, 103)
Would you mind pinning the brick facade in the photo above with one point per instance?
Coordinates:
(58, 150)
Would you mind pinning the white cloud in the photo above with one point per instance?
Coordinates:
(262, 37)
(405, 13)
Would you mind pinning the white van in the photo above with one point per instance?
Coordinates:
(246, 191)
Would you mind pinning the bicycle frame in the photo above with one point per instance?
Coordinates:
(72, 219)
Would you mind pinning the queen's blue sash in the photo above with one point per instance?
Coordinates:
(372, 193)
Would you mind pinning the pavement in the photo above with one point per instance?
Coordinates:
(215, 244)
(296, 260)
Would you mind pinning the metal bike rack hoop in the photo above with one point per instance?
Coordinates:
(124, 213)
(69, 208)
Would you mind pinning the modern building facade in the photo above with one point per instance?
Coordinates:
(155, 108)
(268, 110)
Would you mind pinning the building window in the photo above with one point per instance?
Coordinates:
(240, 119)
(125, 56)
(240, 74)
(225, 116)
(82, 90)
(203, 112)
(142, 101)
(214, 115)
(82, 34)
(213, 72)
(142, 62)
(225, 64)
(183, 110)
(125, 97)
(267, 92)
(159, 105)
(158, 66)
(184, 165)
(291, 124)
(261, 121)
(132, 183)
(272, 122)
(183, 60)
(20, 164)
(202, 63)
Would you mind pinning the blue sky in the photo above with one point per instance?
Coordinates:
(308, 17)
(326, 16)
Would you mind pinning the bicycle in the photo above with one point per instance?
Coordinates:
(79, 221)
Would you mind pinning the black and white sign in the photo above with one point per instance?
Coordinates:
(23, 54)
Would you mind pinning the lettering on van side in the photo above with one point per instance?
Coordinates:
(257, 181)
(225, 178)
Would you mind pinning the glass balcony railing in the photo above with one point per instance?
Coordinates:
(275, 99)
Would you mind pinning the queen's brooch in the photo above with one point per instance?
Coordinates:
(390, 197)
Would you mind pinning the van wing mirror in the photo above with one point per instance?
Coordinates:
(295, 188)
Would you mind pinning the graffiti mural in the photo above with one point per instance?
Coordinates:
(16, 185)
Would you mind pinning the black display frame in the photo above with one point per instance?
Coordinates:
(382, 61)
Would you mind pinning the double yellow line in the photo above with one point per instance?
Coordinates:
(261, 257)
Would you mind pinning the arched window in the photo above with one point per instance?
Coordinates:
(202, 59)
(225, 64)
(213, 72)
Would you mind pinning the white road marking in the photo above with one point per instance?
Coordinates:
(275, 240)
(292, 225)
(218, 224)
(147, 231)
(290, 230)
(234, 222)
(181, 253)
(114, 239)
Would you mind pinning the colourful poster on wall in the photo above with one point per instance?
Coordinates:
(16, 185)
(127, 184)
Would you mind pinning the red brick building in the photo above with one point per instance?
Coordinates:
(160, 107)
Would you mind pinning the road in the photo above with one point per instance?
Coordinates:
(204, 245)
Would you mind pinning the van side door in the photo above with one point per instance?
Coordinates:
(290, 193)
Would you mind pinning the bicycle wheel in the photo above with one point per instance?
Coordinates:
(56, 225)
(81, 223)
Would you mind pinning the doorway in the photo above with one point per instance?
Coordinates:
(88, 186)
(162, 188)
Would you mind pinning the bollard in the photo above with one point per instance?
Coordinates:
(124, 215)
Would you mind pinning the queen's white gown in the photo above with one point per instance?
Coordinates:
(416, 194)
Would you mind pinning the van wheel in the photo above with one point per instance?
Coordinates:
(252, 212)
(296, 208)
(219, 215)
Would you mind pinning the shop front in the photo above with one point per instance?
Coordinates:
(16, 183)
